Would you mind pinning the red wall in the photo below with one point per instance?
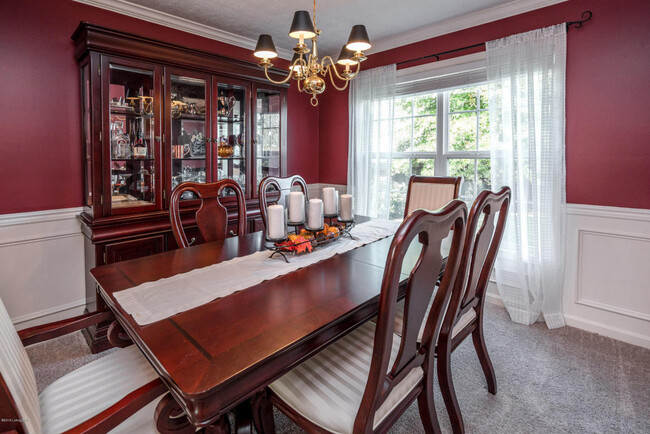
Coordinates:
(40, 145)
(607, 104)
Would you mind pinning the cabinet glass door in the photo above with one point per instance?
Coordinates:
(132, 112)
(187, 111)
(231, 135)
(267, 142)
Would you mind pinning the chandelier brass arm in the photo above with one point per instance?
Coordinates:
(308, 70)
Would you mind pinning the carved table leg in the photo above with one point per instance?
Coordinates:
(170, 417)
(117, 336)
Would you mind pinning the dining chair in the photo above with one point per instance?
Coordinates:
(363, 382)
(119, 390)
(211, 216)
(431, 192)
(485, 226)
(282, 187)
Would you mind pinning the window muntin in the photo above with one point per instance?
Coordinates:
(441, 134)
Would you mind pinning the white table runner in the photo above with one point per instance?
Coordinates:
(154, 301)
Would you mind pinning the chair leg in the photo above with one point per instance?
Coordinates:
(263, 414)
(426, 405)
(484, 358)
(447, 386)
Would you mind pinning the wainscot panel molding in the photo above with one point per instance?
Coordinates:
(164, 19)
(607, 277)
(316, 190)
(467, 21)
(607, 280)
(42, 266)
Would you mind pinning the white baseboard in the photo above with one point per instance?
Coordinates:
(42, 266)
(55, 313)
(492, 298)
(620, 334)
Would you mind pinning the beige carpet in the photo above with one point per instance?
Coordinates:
(549, 381)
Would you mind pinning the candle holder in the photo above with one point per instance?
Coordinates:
(315, 207)
(272, 242)
(283, 249)
(304, 212)
(336, 206)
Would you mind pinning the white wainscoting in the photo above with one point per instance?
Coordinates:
(607, 282)
(607, 274)
(316, 190)
(607, 285)
(42, 266)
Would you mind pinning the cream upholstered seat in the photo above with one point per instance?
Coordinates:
(431, 192)
(77, 396)
(94, 387)
(463, 321)
(327, 389)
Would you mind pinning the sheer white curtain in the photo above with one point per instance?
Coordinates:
(371, 99)
(526, 82)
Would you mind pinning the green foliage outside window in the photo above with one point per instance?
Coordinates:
(415, 131)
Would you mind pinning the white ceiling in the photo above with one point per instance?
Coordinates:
(383, 18)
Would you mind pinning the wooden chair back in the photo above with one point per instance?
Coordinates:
(430, 228)
(283, 187)
(479, 253)
(431, 192)
(212, 216)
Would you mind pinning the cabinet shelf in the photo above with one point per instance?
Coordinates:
(189, 116)
(127, 111)
(189, 159)
(132, 159)
(229, 121)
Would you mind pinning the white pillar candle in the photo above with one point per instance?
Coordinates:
(275, 222)
(315, 214)
(330, 203)
(296, 207)
(345, 212)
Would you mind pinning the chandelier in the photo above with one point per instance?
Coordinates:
(306, 68)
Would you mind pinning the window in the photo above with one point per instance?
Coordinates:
(441, 134)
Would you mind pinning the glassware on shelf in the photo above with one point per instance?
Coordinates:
(132, 129)
(139, 146)
(119, 141)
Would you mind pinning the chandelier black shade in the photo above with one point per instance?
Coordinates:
(358, 40)
(302, 25)
(265, 48)
(346, 57)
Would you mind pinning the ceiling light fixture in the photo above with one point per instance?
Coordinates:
(306, 68)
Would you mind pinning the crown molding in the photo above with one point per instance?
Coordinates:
(164, 19)
(474, 19)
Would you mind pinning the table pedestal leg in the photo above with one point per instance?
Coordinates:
(221, 426)
(244, 418)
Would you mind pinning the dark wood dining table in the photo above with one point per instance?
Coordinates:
(220, 354)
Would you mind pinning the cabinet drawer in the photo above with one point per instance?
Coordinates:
(189, 233)
(124, 250)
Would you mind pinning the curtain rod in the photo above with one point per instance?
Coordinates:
(586, 16)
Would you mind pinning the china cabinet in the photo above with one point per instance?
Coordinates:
(155, 115)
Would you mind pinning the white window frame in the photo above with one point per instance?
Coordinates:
(443, 154)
